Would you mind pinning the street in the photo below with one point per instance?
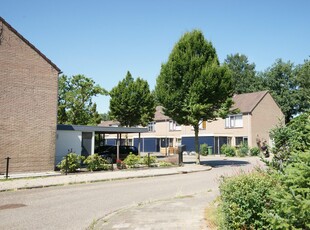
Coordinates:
(78, 206)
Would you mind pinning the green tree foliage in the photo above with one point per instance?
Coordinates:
(192, 86)
(75, 104)
(303, 81)
(280, 80)
(244, 79)
(105, 116)
(295, 136)
(131, 102)
(288, 204)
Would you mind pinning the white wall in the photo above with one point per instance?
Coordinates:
(67, 140)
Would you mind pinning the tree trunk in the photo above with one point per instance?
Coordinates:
(196, 128)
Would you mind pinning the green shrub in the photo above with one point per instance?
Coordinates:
(164, 164)
(255, 151)
(242, 150)
(96, 163)
(243, 200)
(279, 199)
(295, 136)
(149, 160)
(228, 150)
(204, 149)
(73, 162)
(132, 160)
(289, 206)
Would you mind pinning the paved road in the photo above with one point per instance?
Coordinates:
(77, 206)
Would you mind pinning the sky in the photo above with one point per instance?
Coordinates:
(104, 39)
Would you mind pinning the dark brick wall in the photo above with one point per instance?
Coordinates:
(28, 106)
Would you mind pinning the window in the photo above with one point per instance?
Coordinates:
(179, 141)
(173, 126)
(151, 126)
(234, 121)
(166, 142)
(202, 125)
(240, 140)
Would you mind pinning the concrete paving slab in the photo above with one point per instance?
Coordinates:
(183, 212)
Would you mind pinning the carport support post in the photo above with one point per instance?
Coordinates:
(139, 144)
(7, 168)
(117, 147)
(66, 172)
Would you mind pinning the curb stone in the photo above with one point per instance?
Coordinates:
(25, 184)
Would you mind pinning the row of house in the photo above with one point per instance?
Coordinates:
(259, 113)
(30, 137)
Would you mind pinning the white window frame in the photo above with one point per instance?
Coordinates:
(151, 126)
(234, 121)
(244, 140)
(174, 126)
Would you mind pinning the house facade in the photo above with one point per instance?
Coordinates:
(28, 101)
(258, 114)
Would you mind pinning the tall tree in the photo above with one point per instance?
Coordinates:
(132, 102)
(281, 81)
(75, 105)
(192, 87)
(105, 116)
(244, 79)
(303, 82)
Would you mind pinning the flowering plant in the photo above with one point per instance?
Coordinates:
(120, 164)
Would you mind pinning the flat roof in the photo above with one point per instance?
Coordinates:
(102, 129)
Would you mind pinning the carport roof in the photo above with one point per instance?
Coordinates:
(102, 129)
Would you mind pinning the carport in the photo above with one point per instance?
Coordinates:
(81, 138)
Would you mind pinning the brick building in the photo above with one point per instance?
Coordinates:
(28, 104)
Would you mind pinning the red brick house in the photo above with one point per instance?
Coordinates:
(28, 102)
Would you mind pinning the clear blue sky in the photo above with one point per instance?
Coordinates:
(103, 39)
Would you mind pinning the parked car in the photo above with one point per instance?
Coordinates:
(110, 153)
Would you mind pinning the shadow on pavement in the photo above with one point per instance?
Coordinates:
(220, 163)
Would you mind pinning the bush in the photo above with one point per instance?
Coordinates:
(204, 149)
(149, 160)
(132, 160)
(255, 151)
(289, 206)
(243, 150)
(280, 199)
(228, 150)
(293, 137)
(96, 163)
(74, 162)
(164, 164)
(243, 200)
